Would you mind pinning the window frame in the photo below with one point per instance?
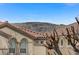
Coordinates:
(11, 49)
(25, 49)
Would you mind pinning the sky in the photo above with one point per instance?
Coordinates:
(57, 13)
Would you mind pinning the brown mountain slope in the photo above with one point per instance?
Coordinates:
(39, 26)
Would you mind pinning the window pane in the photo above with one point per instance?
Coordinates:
(61, 42)
(12, 45)
(68, 43)
(22, 50)
(41, 42)
(23, 46)
(11, 50)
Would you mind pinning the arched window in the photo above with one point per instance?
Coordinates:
(23, 46)
(68, 43)
(61, 42)
(12, 45)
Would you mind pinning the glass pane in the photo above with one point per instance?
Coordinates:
(68, 43)
(12, 45)
(22, 50)
(11, 50)
(23, 46)
(61, 42)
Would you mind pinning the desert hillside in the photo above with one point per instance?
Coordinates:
(39, 26)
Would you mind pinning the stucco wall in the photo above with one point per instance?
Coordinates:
(39, 50)
(3, 45)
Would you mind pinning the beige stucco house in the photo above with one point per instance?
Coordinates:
(19, 40)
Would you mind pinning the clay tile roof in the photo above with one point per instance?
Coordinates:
(1, 22)
(33, 33)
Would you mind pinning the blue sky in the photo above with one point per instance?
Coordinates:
(58, 13)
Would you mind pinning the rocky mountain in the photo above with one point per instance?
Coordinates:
(39, 26)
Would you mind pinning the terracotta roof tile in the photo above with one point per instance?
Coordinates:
(1, 23)
(35, 34)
